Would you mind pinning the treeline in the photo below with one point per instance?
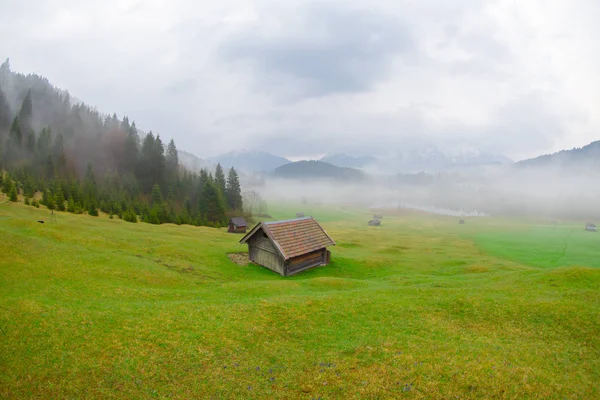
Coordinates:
(69, 158)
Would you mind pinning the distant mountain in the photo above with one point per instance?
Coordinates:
(344, 160)
(318, 170)
(194, 163)
(418, 158)
(251, 161)
(577, 158)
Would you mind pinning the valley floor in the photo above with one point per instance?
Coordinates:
(421, 307)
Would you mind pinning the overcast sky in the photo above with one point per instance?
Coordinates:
(302, 78)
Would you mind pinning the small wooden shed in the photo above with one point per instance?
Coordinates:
(461, 221)
(377, 216)
(374, 222)
(237, 225)
(300, 215)
(591, 228)
(288, 247)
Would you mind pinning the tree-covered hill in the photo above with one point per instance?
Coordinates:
(586, 156)
(80, 160)
(318, 170)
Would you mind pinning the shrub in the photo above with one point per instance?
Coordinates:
(130, 216)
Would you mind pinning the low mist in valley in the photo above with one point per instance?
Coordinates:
(508, 191)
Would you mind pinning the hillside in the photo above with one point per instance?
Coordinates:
(346, 161)
(318, 170)
(80, 160)
(587, 157)
(195, 163)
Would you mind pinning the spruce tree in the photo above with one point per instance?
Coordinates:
(31, 142)
(48, 200)
(16, 134)
(172, 159)
(26, 112)
(90, 189)
(59, 199)
(233, 191)
(5, 114)
(6, 184)
(12, 193)
(157, 197)
(212, 205)
(220, 179)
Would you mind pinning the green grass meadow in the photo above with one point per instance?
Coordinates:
(421, 307)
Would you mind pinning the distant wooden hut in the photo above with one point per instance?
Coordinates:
(300, 215)
(288, 247)
(237, 225)
(461, 221)
(374, 222)
(378, 216)
(591, 227)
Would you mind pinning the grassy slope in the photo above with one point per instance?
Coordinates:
(418, 308)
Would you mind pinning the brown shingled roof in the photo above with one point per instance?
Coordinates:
(294, 237)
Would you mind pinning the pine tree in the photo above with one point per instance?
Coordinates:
(220, 179)
(26, 113)
(6, 183)
(48, 200)
(153, 217)
(71, 206)
(12, 193)
(157, 197)
(151, 165)
(172, 159)
(212, 205)
(31, 142)
(132, 149)
(90, 189)
(16, 135)
(5, 114)
(233, 191)
(159, 162)
(59, 198)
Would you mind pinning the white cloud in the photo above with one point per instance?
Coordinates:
(300, 78)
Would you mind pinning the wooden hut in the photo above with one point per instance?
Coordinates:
(461, 221)
(591, 228)
(300, 215)
(374, 222)
(377, 216)
(237, 225)
(288, 247)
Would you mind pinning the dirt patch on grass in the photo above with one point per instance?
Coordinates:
(239, 258)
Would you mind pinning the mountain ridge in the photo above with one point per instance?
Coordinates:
(586, 156)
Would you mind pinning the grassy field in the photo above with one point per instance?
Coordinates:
(420, 307)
